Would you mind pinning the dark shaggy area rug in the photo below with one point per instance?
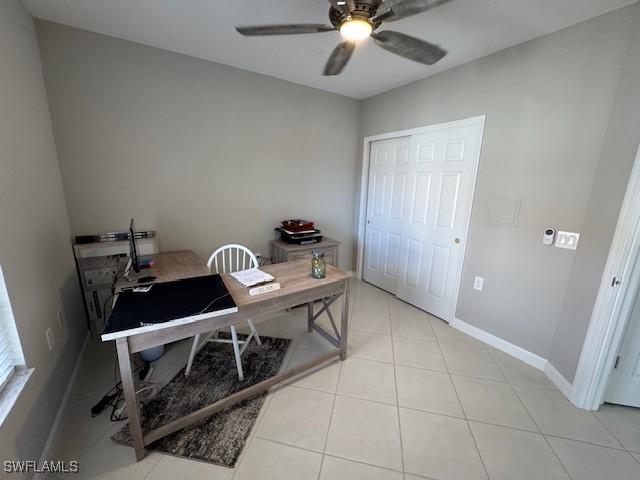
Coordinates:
(220, 438)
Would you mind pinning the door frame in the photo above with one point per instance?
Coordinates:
(480, 121)
(614, 303)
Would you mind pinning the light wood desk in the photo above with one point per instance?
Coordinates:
(297, 287)
(169, 266)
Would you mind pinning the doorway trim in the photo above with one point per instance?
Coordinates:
(614, 303)
(364, 187)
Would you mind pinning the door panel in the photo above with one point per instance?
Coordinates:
(439, 270)
(398, 189)
(454, 150)
(375, 244)
(421, 195)
(393, 257)
(440, 179)
(379, 190)
(386, 211)
(426, 152)
(624, 387)
(412, 271)
(449, 195)
(401, 154)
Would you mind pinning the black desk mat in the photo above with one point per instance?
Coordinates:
(169, 301)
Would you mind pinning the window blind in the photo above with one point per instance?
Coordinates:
(10, 350)
(7, 357)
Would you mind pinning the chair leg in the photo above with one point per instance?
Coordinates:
(255, 332)
(236, 352)
(192, 354)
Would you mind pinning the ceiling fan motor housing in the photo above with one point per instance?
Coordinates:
(364, 10)
(357, 20)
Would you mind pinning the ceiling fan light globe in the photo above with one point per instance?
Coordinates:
(355, 29)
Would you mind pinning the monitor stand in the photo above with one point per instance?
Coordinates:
(130, 275)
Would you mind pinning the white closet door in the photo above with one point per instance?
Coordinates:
(441, 174)
(388, 170)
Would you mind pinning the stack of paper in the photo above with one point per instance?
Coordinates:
(252, 277)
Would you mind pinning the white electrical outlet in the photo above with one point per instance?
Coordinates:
(568, 240)
(61, 318)
(51, 342)
(478, 283)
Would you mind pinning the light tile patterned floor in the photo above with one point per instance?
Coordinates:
(416, 399)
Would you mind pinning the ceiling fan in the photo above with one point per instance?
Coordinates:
(359, 19)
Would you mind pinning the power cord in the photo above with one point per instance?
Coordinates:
(115, 396)
(211, 303)
(104, 309)
(116, 277)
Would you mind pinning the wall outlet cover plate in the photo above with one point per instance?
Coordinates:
(567, 240)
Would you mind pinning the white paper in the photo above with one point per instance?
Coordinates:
(252, 277)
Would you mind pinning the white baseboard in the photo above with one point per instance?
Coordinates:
(55, 432)
(559, 381)
(520, 353)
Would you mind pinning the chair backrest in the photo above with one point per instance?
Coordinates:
(231, 258)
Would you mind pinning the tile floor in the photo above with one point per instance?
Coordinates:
(415, 400)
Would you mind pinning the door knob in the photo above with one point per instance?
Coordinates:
(457, 240)
(368, 222)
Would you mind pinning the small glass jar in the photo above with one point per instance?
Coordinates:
(318, 265)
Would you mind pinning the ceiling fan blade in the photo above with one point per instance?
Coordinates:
(339, 58)
(409, 47)
(345, 6)
(393, 10)
(293, 29)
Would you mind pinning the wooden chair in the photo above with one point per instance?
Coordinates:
(227, 259)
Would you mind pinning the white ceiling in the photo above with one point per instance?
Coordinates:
(469, 29)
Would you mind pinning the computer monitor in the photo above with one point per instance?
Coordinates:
(133, 248)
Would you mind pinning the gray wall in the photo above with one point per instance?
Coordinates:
(547, 103)
(616, 161)
(205, 153)
(35, 251)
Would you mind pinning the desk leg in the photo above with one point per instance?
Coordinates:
(344, 322)
(133, 410)
(310, 317)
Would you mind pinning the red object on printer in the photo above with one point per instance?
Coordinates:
(297, 225)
